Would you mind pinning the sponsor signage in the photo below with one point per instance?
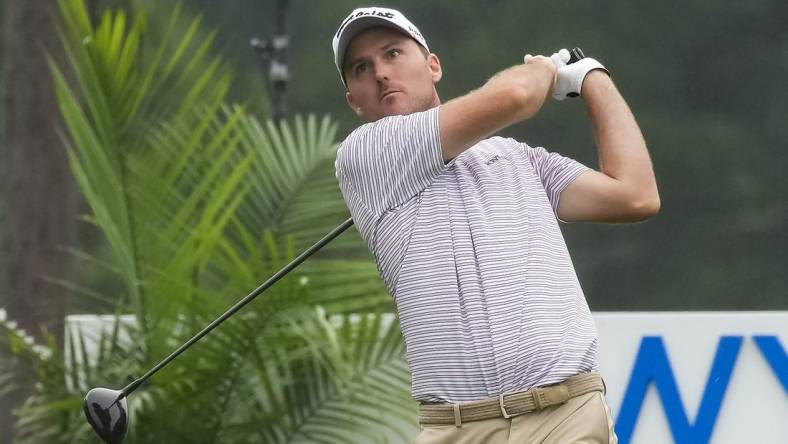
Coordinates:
(696, 377)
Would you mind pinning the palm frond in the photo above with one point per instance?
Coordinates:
(199, 202)
(358, 385)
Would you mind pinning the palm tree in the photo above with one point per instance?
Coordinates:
(198, 201)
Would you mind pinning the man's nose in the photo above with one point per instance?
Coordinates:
(382, 72)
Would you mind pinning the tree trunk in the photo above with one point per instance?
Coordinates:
(39, 191)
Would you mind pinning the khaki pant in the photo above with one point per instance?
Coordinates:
(584, 419)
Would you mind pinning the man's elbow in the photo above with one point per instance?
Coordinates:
(644, 207)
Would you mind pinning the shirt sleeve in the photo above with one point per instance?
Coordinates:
(386, 163)
(555, 171)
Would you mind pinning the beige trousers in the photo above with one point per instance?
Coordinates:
(584, 419)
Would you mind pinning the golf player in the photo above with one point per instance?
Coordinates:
(464, 229)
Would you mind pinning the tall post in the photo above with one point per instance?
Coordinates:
(41, 200)
(274, 52)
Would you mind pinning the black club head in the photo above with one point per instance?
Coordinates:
(107, 414)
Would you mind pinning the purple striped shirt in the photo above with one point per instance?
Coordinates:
(471, 251)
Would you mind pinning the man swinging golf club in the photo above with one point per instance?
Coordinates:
(464, 228)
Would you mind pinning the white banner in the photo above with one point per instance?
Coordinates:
(672, 377)
(696, 377)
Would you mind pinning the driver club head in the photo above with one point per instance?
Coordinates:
(107, 414)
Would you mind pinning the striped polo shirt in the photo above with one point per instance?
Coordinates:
(471, 251)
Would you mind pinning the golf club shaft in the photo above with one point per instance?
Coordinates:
(238, 305)
(576, 54)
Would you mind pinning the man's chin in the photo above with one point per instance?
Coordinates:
(389, 113)
(397, 109)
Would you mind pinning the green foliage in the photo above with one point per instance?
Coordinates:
(199, 201)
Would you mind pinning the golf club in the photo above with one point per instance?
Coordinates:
(574, 55)
(107, 411)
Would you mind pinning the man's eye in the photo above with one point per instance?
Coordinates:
(394, 53)
(361, 68)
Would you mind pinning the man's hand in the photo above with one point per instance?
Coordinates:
(523, 76)
(571, 75)
(546, 63)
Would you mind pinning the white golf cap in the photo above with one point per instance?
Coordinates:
(365, 18)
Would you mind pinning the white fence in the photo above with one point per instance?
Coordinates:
(677, 377)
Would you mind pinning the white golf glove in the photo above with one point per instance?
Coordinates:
(571, 75)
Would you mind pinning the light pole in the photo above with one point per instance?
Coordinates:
(274, 52)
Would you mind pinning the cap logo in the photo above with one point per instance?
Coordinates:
(415, 31)
(351, 17)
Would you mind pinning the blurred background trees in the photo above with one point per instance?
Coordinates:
(705, 81)
(189, 197)
(39, 206)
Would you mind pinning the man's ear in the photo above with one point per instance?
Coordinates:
(352, 104)
(435, 67)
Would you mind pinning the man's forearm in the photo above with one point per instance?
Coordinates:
(510, 96)
(622, 149)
